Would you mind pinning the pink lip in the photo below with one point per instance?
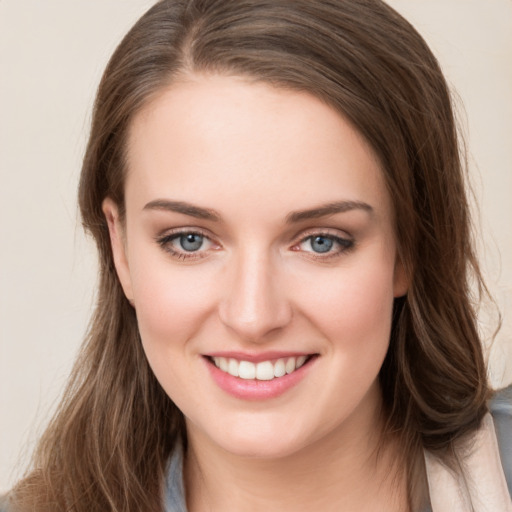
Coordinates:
(257, 389)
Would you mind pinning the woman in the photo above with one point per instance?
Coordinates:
(284, 317)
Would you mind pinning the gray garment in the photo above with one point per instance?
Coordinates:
(174, 486)
(501, 410)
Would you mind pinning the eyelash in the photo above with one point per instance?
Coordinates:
(166, 240)
(345, 245)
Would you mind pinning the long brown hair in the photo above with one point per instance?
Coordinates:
(108, 444)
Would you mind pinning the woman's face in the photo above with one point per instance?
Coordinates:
(258, 242)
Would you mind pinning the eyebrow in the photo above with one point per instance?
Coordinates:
(328, 209)
(183, 207)
(293, 217)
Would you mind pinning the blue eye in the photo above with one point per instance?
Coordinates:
(191, 242)
(325, 246)
(186, 244)
(321, 244)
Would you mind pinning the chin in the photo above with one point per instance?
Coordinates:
(254, 436)
(261, 447)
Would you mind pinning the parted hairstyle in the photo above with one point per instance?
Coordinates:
(108, 445)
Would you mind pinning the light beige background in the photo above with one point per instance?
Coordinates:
(52, 53)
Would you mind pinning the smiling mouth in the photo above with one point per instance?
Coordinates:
(264, 370)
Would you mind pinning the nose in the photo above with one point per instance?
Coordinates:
(254, 304)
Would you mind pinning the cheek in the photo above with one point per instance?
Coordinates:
(352, 305)
(171, 301)
(172, 304)
(352, 310)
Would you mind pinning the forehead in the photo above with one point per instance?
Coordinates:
(218, 138)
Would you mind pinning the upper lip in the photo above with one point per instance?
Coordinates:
(257, 357)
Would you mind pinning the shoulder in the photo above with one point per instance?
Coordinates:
(501, 410)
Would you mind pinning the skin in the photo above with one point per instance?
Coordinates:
(254, 154)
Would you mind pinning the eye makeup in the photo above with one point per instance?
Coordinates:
(193, 244)
(187, 244)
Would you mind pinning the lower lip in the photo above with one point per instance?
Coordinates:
(257, 389)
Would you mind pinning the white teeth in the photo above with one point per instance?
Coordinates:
(246, 370)
(300, 361)
(224, 365)
(265, 370)
(233, 367)
(279, 368)
(290, 365)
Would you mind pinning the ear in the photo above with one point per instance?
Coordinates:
(401, 280)
(118, 243)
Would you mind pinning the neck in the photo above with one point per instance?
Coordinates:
(349, 469)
